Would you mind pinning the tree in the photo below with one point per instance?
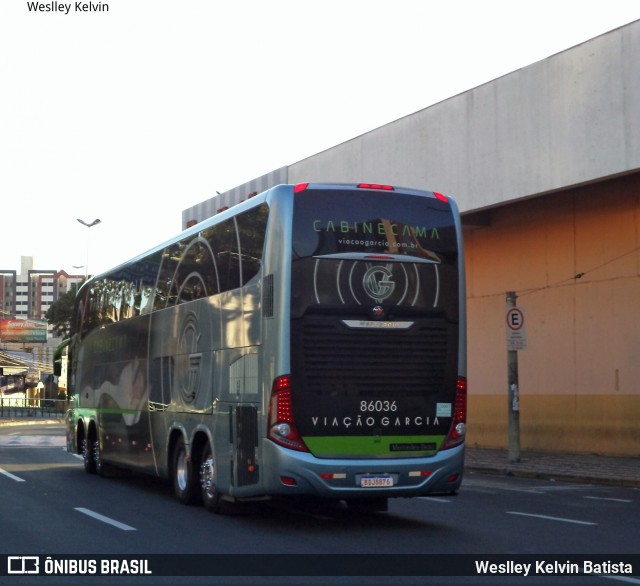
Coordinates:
(60, 313)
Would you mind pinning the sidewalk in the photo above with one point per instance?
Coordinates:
(30, 420)
(580, 468)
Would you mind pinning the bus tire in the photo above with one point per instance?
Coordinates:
(87, 455)
(208, 480)
(185, 485)
(97, 458)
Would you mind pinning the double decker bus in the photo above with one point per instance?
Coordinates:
(307, 341)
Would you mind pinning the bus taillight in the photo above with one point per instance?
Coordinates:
(458, 429)
(282, 428)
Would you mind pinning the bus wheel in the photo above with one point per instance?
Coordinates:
(97, 458)
(87, 456)
(208, 482)
(184, 480)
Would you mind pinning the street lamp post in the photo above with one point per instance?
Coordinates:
(88, 225)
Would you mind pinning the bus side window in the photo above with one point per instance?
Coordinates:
(166, 293)
(224, 242)
(146, 276)
(252, 227)
(196, 276)
(143, 300)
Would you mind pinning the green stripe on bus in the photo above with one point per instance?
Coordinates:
(355, 445)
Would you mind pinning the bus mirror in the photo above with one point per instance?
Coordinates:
(60, 355)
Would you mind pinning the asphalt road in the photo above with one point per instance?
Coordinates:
(50, 506)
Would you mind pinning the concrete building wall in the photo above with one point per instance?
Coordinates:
(567, 120)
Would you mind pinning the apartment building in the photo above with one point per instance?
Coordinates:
(27, 295)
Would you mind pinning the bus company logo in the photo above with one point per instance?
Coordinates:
(377, 312)
(378, 283)
(189, 359)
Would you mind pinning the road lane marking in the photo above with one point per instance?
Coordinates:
(605, 498)
(489, 489)
(31, 441)
(551, 518)
(565, 487)
(481, 485)
(437, 499)
(12, 476)
(104, 519)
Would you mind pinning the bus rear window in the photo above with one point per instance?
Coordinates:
(337, 222)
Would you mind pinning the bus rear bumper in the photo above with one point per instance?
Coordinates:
(300, 473)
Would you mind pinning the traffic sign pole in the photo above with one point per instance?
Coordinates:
(512, 378)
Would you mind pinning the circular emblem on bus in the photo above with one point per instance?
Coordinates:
(377, 312)
(189, 360)
(378, 283)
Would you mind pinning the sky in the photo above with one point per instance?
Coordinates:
(134, 114)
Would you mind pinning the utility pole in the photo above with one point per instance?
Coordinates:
(516, 340)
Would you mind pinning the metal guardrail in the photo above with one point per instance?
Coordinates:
(28, 407)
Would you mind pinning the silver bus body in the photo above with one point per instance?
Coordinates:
(276, 349)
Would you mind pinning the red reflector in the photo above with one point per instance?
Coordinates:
(440, 196)
(300, 187)
(421, 473)
(333, 475)
(453, 478)
(288, 481)
(375, 186)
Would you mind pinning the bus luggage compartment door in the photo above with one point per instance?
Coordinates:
(244, 436)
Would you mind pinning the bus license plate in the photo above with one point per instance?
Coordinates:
(376, 480)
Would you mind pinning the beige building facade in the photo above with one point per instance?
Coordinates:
(545, 166)
(573, 260)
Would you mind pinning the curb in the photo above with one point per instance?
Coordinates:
(10, 422)
(556, 477)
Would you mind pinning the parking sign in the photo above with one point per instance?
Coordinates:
(516, 331)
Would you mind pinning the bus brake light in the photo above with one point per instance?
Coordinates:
(458, 429)
(281, 426)
(375, 186)
(440, 196)
(300, 187)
